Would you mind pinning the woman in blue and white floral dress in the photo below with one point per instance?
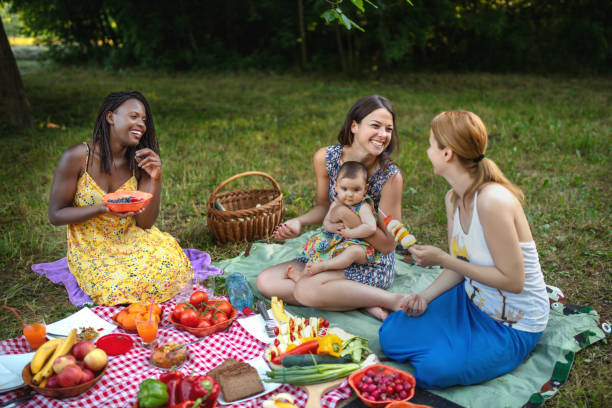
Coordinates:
(368, 136)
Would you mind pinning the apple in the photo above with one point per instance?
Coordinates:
(61, 362)
(70, 375)
(96, 359)
(88, 375)
(52, 382)
(80, 350)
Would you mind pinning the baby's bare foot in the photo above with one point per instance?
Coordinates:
(294, 274)
(314, 268)
(378, 312)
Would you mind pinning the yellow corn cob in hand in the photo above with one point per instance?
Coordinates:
(279, 310)
(42, 355)
(63, 348)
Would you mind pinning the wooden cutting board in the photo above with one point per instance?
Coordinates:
(316, 391)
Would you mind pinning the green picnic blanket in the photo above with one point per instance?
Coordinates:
(538, 378)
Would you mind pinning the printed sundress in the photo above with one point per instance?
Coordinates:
(381, 272)
(115, 261)
(325, 245)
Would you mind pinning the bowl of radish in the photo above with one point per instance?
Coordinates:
(378, 385)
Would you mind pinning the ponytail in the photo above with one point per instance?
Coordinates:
(466, 135)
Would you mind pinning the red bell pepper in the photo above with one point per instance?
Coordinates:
(171, 375)
(172, 379)
(304, 348)
(200, 386)
(188, 404)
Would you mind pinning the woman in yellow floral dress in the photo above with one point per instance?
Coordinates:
(117, 257)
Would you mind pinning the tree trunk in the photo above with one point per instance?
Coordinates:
(302, 34)
(14, 106)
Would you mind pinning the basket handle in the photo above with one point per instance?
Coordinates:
(246, 173)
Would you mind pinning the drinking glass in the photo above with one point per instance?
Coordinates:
(186, 289)
(35, 332)
(147, 330)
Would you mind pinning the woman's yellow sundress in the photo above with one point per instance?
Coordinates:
(115, 261)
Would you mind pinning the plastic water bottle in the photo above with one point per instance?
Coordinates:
(240, 293)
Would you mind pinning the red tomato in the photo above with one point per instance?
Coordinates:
(178, 310)
(223, 306)
(199, 299)
(207, 315)
(219, 318)
(203, 323)
(189, 318)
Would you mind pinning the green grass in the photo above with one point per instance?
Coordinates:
(551, 136)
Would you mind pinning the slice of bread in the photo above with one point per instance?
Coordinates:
(237, 380)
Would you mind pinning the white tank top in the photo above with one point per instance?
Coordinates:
(528, 310)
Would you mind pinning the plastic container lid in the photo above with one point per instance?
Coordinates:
(115, 343)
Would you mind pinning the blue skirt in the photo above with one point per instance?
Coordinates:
(454, 342)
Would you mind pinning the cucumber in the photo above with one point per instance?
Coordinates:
(304, 360)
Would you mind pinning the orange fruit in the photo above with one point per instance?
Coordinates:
(137, 307)
(121, 316)
(129, 321)
(157, 310)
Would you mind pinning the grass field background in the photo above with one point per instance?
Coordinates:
(551, 136)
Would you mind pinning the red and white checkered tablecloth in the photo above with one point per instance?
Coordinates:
(119, 385)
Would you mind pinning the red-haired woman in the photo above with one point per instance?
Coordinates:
(488, 308)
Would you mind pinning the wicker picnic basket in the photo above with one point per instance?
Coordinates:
(244, 215)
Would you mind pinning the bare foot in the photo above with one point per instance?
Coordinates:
(399, 301)
(378, 312)
(294, 274)
(314, 268)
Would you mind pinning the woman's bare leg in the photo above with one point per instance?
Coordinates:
(330, 290)
(273, 281)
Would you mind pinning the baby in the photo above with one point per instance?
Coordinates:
(337, 247)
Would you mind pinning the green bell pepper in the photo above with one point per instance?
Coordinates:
(152, 394)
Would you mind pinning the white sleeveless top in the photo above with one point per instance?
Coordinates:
(528, 310)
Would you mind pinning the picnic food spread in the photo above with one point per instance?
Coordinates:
(304, 352)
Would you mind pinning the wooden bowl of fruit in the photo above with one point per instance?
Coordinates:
(57, 391)
(126, 200)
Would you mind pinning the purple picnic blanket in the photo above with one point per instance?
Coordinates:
(58, 272)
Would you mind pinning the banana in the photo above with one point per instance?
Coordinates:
(278, 310)
(62, 349)
(42, 354)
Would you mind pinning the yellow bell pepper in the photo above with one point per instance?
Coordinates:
(330, 344)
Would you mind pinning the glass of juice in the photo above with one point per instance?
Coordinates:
(147, 330)
(35, 332)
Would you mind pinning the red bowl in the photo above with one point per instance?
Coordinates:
(355, 378)
(206, 331)
(143, 199)
(115, 343)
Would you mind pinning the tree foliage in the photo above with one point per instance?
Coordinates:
(491, 35)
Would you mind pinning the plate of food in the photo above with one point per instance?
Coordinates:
(11, 366)
(242, 381)
(88, 324)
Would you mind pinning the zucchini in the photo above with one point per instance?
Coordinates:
(304, 360)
